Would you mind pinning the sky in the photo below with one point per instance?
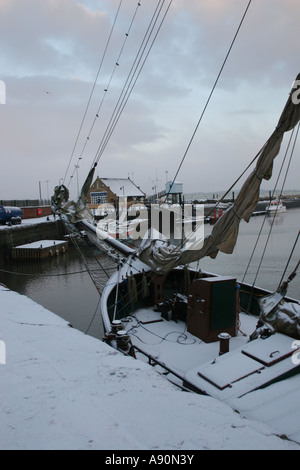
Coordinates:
(59, 56)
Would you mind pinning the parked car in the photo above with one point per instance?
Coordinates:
(10, 215)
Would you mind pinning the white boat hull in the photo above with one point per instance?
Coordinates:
(275, 208)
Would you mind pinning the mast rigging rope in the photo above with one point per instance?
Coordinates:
(281, 192)
(265, 217)
(293, 274)
(93, 87)
(119, 108)
(209, 97)
(106, 89)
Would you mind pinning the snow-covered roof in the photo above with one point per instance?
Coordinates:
(123, 187)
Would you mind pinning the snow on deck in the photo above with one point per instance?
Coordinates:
(61, 389)
(170, 343)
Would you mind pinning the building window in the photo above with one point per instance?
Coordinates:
(99, 198)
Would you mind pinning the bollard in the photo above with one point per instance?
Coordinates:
(123, 340)
(116, 325)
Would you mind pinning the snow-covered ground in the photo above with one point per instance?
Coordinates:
(61, 389)
(26, 222)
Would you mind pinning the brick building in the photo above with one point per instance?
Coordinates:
(110, 190)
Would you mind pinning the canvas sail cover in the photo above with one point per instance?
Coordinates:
(162, 258)
(277, 315)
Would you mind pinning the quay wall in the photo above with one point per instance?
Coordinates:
(23, 234)
(32, 212)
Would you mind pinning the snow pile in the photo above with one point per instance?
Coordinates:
(61, 389)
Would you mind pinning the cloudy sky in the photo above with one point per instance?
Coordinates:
(59, 56)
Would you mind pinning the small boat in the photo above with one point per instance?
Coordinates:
(276, 207)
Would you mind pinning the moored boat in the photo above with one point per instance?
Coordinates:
(205, 332)
(276, 207)
(174, 315)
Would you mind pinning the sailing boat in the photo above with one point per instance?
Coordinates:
(205, 332)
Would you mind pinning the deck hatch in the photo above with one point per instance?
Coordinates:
(271, 350)
(226, 370)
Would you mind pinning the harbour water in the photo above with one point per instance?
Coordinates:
(275, 248)
(63, 285)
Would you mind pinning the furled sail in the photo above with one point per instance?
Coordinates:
(74, 211)
(162, 258)
(278, 315)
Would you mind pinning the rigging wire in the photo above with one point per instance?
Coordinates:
(43, 275)
(272, 223)
(192, 234)
(265, 217)
(116, 66)
(93, 317)
(90, 272)
(201, 117)
(288, 262)
(94, 86)
(209, 97)
(119, 108)
(113, 119)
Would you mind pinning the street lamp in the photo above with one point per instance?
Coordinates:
(77, 168)
(47, 182)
